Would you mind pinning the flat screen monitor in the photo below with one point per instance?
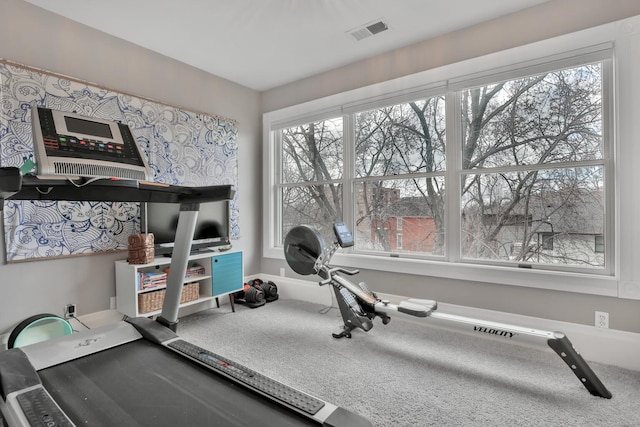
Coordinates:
(161, 219)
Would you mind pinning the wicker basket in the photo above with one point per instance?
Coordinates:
(151, 301)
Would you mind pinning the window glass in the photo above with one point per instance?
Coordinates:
(312, 157)
(520, 216)
(401, 139)
(546, 215)
(549, 118)
(420, 204)
(312, 152)
(319, 206)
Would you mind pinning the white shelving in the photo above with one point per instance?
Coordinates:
(223, 274)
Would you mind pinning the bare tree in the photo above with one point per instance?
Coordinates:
(549, 120)
(312, 159)
(520, 140)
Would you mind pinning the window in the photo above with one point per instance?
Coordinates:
(533, 165)
(545, 242)
(531, 177)
(510, 167)
(311, 173)
(399, 167)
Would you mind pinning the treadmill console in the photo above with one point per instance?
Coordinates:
(344, 236)
(68, 144)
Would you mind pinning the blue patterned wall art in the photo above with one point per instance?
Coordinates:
(182, 148)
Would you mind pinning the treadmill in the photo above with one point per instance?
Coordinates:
(139, 372)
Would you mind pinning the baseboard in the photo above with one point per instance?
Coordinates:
(607, 346)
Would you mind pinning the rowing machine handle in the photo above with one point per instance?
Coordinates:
(335, 270)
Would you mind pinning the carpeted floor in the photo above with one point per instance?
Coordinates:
(406, 374)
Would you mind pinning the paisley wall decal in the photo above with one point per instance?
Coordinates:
(182, 148)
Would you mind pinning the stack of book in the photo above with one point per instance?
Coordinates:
(195, 270)
(158, 279)
(148, 280)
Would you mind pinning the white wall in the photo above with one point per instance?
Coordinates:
(38, 38)
(550, 19)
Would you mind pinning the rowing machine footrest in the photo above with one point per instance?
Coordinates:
(429, 303)
(414, 309)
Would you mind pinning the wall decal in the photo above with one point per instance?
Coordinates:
(182, 148)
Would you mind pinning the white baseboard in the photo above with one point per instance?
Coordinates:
(607, 346)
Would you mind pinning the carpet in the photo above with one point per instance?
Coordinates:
(408, 374)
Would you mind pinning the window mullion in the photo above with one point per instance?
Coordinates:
(611, 236)
(276, 223)
(348, 144)
(453, 152)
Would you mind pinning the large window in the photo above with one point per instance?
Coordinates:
(510, 168)
(530, 180)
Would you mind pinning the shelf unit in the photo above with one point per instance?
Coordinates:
(223, 275)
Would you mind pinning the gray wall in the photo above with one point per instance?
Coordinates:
(38, 38)
(547, 20)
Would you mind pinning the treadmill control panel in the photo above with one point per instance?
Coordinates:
(73, 136)
(70, 144)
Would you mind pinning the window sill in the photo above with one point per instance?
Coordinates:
(513, 276)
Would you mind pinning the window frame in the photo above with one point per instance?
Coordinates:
(616, 281)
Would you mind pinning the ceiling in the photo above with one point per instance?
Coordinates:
(262, 44)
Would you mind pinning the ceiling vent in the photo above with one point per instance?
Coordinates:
(368, 30)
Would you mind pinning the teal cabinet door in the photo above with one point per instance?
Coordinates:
(226, 273)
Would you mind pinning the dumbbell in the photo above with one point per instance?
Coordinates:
(251, 295)
(270, 290)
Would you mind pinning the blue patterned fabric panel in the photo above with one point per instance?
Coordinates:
(182, 148)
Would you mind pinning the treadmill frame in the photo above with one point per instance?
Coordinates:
(19, 366)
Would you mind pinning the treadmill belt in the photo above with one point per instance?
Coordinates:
(143, 384)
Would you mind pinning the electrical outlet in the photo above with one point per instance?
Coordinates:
(282, 271)
(70, 311)
(112, 303)
(602, 319)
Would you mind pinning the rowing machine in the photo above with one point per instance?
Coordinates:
(306, 253)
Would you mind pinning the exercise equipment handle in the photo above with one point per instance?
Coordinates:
(332, 271)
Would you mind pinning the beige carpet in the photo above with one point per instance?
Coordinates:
(404, 374)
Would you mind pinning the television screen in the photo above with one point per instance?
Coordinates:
(161, 219)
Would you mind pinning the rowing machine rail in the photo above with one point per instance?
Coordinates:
(306, 253)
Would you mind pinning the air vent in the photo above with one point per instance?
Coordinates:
(368, 30)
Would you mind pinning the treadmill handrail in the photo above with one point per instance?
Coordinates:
(106, 190)
(28, 187)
